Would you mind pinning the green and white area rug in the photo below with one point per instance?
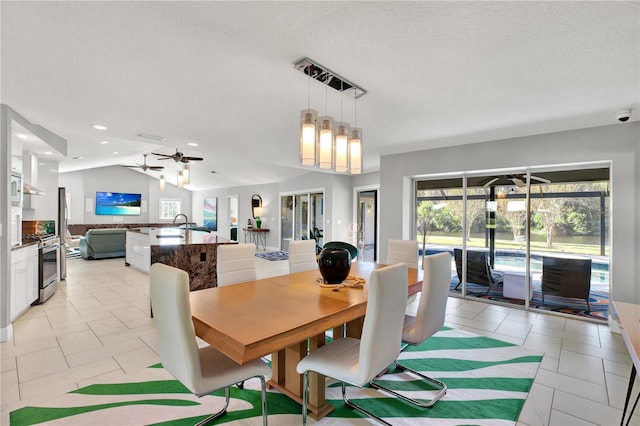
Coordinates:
(488, 381)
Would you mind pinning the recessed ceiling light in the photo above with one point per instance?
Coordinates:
(192, 144)
(48, 153)
(41, 164)
(115, 152)
(78, 158)
(104, 142)
(22, 136)
(99, 127)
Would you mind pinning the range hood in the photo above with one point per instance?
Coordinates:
(31, 190)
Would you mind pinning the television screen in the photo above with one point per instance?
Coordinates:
(210, 213)
(118, 203)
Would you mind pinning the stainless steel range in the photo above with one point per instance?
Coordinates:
(43, 232)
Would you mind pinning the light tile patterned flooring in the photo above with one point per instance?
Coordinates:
(97, 326)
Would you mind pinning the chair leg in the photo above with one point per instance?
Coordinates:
(265, 412)
(588, 306)
(350, 404)
(227, 396)
(441, 386)
(305, 391)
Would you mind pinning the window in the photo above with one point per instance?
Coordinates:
(169, 209)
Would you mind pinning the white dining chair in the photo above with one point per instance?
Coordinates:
(302, 256)
(403, 251)
(201, 370)
(236, 263)
(429, 318)
(358, 361)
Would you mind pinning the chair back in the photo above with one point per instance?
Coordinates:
(388, 289)
(403, 251)
(566, 277)
(432, 307)
(353, 250)
(236, 263)
(177, 345)
(477, 266)
(302, 256)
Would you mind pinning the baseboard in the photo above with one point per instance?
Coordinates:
(6, 333)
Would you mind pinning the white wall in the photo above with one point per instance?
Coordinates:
(619, 144)
(83, 185)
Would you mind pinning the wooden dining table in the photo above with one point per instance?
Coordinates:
(285, 316)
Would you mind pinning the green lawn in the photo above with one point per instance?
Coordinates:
(564, 247)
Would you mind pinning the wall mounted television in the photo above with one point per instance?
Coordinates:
(118, 204)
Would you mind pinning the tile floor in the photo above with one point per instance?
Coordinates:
(97, 325)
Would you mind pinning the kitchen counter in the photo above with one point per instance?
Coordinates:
(19, 246)
(192, 251)
(178, 236)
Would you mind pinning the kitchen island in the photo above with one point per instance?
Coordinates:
(192, 251)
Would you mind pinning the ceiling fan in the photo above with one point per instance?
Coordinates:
(518, 180)
(145, 166)
(178, 157)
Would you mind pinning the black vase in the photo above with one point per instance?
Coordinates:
(334, 264)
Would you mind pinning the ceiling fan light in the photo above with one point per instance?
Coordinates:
(186, 174)
(342, 149)
(180, 180)
(355, 151)
(325, 145)
(162, 182)
(308, 134)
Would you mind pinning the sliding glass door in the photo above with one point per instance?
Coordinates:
(537, 238)
(302, 217)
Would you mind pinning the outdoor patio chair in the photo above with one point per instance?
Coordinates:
(566, 277)
(478, 269)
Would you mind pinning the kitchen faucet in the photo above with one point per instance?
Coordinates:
(186, 220)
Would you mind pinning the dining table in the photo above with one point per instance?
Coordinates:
(286, 316)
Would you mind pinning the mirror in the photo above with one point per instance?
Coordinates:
(256, 202)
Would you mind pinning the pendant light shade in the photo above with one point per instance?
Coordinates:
(308, 135)
(186, 174)
(342, 148)
(355, 151)
(180, 180)
(162, 182)
(325, 145)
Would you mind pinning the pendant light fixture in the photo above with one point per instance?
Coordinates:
(162, 182)
(180, 180)
(355, 145)
(319, 145)
(186, 174)
(341, 157)
(308, 131)
(325, 146)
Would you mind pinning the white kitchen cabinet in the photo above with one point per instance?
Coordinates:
(24, 279)
(138, 251)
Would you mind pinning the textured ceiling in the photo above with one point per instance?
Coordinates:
(221, 74)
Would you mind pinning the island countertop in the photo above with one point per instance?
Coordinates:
(178, 236)
(193, 251)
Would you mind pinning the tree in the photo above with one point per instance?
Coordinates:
(550, 210)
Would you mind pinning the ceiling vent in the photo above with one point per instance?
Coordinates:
(152, 137)
(326, 76)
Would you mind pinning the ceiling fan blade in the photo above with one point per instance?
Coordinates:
(124, 165)
(192, 158)
(162, 155)
(156, 167)
(489, 182)
(539, 179)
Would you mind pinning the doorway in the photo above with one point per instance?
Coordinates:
(233, 217)
(367, 225)
(302, 218)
